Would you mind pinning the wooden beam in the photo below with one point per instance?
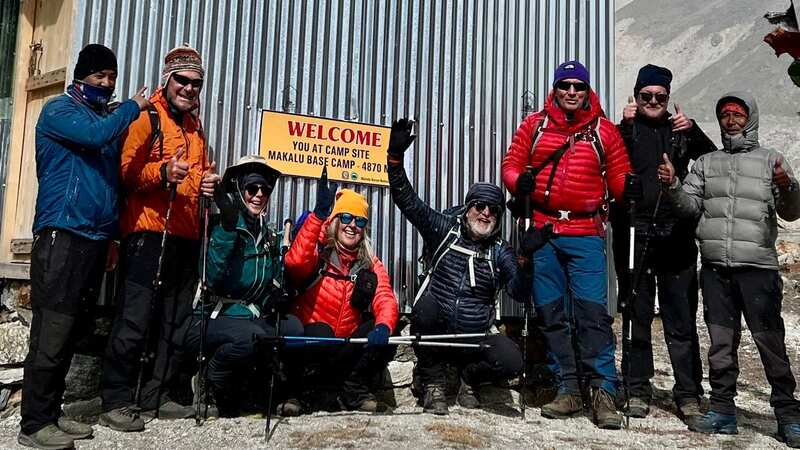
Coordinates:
(15, 271)
(21, 246)
(58, 76)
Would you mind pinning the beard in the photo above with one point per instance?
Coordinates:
(480, 230)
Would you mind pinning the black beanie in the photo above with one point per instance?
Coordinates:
(486, 192)
(92, 59)
(651, 75)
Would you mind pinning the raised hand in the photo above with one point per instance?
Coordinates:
(140, 99)
(401, 138)
(780, 177)
(210, 180)
(679, 121)
(177, 169)
(629, 113)
(666, 171)
(326, 194)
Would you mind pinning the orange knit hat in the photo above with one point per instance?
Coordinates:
(350, 201)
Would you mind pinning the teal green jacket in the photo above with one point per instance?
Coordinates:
(241, 269)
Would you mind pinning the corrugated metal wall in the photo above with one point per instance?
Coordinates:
(9, 15)
(466, 70)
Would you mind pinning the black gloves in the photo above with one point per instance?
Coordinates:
(364, 290)
(525, 184)
(633, 191)
(534, 239)
(279, 299)
(326, 194)
(228, 211)
(401, 138)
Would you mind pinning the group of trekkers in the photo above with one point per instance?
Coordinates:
(133, 183)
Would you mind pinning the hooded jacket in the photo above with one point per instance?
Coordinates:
(466, 308)
(732, 193)
(578, 184)
(328, 300)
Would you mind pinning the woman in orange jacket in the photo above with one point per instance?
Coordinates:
(344, 291)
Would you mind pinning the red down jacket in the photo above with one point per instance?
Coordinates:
(328, 300)
(578, 186)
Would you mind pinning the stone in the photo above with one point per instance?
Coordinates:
(13, 342)
(400, 374)
(11, 375)
(83, 378)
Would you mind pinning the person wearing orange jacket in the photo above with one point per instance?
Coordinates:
(164, 171)
(344, 291)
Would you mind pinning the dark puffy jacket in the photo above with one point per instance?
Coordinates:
(578, 184)
(77, 163)
(467, 309)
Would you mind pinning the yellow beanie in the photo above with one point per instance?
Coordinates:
(350, 201)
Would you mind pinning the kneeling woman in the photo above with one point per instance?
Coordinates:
(344, 292)
(242, 264)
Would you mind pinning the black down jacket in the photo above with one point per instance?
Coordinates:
(467, 309)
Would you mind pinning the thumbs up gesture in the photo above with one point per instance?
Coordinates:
(666, 171)
(629, 113)
(679, 121)
(177, 169)
(210, 180)
(780, 177)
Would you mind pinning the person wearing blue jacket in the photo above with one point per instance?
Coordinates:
(77, 165)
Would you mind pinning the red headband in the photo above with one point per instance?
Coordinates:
(733, 107)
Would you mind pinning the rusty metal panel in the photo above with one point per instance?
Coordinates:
(467, 71)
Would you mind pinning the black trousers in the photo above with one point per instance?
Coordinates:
(757, 294)
(351, 367)
(136, 312)
(502, 360)
(670, 265)
(66, 272)
(231, 343)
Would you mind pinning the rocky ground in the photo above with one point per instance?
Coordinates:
(497, 425)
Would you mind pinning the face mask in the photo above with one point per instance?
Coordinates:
(94, 95)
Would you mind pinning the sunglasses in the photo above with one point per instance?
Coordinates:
(647, 96)
(253, 189)
(579, 87)
(196, 83)
(346, 218)
(480, 206)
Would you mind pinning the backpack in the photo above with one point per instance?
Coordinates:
(590, 135)
(429, 260)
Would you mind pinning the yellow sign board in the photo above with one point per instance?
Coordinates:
(301, 145)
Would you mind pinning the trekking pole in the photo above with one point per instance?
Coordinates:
(147, 356)
(291, 341)
(526, 312)
(627, 309)
(287, 230)
(202, 394)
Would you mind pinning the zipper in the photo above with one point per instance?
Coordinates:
(50, 252)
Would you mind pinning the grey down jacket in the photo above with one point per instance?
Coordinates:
(732, 193)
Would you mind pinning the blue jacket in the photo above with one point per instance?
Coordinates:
(77, 164)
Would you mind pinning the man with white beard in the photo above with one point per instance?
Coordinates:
(469, 266)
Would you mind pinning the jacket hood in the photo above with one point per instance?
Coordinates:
(583, 116)
(492, 195)
(748, 139)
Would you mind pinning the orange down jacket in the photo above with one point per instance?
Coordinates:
(328, 300)
(146, 198)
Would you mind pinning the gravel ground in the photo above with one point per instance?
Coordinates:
(498, 425)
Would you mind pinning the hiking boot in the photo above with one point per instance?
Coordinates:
(170, 410)
(75, 429)
(637, 407)
(690, 413)
(604, 411)
(435, 400)
(563, 406)
(122, 419)
(50, 437)
(208, 406)
(790, 434)
(716, 423)
(467, 397)
(290, 408)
